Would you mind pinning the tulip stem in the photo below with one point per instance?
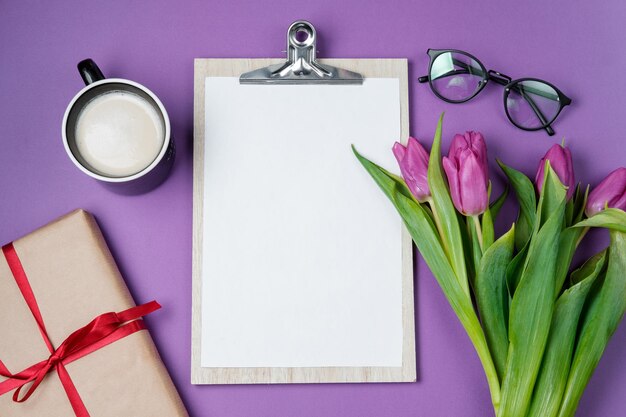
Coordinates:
(479, 231)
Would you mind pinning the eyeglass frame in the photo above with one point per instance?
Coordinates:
(503, 80)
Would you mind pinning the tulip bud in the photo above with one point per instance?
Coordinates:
(413, 161)
(467, 171)
(560, 159)
(611, 192)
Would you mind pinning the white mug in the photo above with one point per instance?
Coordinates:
(118, 132)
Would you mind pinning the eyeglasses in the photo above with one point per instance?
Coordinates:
(530, 104)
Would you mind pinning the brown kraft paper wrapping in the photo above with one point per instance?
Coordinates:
(74, 279)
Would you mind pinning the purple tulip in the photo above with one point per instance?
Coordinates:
(611, 192)
(413, 161)
(467, 171)
(560, 159)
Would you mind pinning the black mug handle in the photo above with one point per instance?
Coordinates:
(89, 71)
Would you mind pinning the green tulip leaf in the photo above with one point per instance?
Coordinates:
(487, 228)
(532, 305)
(515, 269)
(427, 242)
(610, 218)
(492, 297)
(557, 358)
(569, 212)
(567, 246)
(581, 203)
(574, 206)
(450, 228)
(550, 197)
(605, 310)
(386, 180)
(525, 192)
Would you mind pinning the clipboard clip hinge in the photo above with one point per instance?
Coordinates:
(301, 66)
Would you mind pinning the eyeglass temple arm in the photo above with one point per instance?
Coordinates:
(537, 111)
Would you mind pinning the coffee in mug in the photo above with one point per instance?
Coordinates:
(118, 131)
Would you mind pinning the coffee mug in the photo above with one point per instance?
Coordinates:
(118, 132)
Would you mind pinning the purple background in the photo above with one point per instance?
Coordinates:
(577, 45)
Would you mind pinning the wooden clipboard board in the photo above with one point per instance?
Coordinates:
(369, 68)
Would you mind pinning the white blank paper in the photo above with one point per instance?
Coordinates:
(301, 255)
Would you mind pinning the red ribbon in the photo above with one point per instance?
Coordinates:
(102, 331)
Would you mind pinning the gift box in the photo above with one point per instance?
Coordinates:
(72, 341)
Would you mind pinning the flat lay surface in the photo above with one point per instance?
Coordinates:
(577, 46)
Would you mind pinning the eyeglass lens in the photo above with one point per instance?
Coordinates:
(456, 76)
(532, 104)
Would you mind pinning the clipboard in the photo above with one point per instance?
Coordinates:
(302, 69)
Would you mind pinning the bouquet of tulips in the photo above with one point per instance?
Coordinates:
(538, 327)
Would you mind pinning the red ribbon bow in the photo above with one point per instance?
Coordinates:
(102, 331)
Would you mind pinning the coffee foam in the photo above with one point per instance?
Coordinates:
(119, 133)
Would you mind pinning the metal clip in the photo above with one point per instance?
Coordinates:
(301, 66)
